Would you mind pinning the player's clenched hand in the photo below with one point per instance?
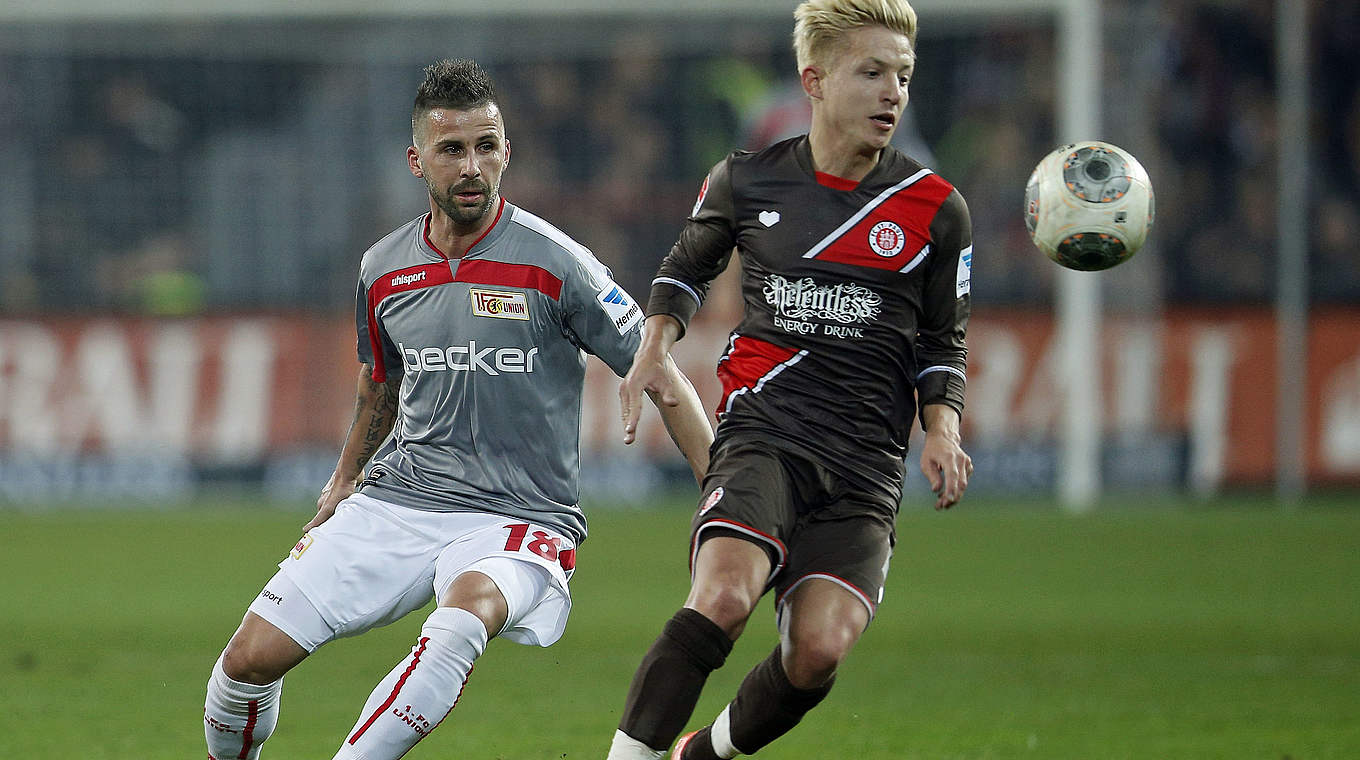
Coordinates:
(336, 490)
(945, 464)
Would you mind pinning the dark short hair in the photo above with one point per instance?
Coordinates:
(459, 84)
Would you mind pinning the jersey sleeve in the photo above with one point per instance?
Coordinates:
(941, 350)
(600, 316)
(701, 253)
(373, 347)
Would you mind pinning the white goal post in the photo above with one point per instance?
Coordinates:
(1079, 32)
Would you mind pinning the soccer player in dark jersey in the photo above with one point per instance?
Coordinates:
(855, 279)
(474, 321)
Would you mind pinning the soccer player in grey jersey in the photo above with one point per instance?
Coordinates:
(855, 286)
(474, 321)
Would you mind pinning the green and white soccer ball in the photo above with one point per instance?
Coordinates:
(1089, 205)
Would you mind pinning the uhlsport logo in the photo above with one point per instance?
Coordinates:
(887, 239)
(470, 358)
(620, 308)
(407, 279)
(498, 305)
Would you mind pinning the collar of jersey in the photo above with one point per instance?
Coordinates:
(495, 223)
(803, 152)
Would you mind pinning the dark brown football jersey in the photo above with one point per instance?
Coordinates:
(855, 295)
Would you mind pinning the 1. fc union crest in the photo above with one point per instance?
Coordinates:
(886, 239)
(302, 545)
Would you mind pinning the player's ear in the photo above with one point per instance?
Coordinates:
(507, 151)
(413, 161)
(811, 77)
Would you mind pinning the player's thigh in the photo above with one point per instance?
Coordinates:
(370, 564)
(528, 567)
(851, 553)
(820, 623)
(730, 574)
(478, 593)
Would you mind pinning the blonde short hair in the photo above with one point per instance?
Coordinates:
(820, 25)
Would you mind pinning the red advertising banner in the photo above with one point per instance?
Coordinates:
(229, 389)
(237, 389)
(1208, 375)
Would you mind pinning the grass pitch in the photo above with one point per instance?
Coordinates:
(1179, 631)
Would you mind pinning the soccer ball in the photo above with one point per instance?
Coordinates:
(1089, 206)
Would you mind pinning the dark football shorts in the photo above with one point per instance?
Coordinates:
(813, 522)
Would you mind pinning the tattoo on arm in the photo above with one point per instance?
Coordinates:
(375, 411)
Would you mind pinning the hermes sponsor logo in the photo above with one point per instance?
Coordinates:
(965, 273)
(470, 358)
(407, 279)
(620, 308)
(498, 305)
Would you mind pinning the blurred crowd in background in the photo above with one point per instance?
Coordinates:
(196, 168)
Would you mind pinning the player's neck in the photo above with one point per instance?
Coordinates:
(840, 157)
(454, 238)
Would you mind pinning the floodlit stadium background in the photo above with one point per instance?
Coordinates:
(186, 189)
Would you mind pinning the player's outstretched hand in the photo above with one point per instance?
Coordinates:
(946, 467)
(647, 374)
(336, 490)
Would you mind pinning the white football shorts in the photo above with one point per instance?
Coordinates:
(374, 562)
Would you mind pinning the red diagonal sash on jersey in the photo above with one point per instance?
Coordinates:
(892, 231)
(748, 364)
(398, 281)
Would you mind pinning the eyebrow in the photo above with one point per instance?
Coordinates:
(459, 141)
(910, 65)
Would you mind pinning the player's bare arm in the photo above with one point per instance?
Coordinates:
(375, 411)
(943, 460)
(649, 372)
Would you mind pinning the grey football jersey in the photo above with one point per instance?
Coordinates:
(492, 348)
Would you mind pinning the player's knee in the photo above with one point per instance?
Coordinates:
(247, 661)
(728, 606)
(238, 664)
(812, 657)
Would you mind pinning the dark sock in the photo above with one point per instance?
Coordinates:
(700, 747)
(666, 686)
(767, 707)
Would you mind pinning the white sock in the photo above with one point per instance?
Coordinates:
(720, 735)
(420, 691)
(625, 747)
(238, 717)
